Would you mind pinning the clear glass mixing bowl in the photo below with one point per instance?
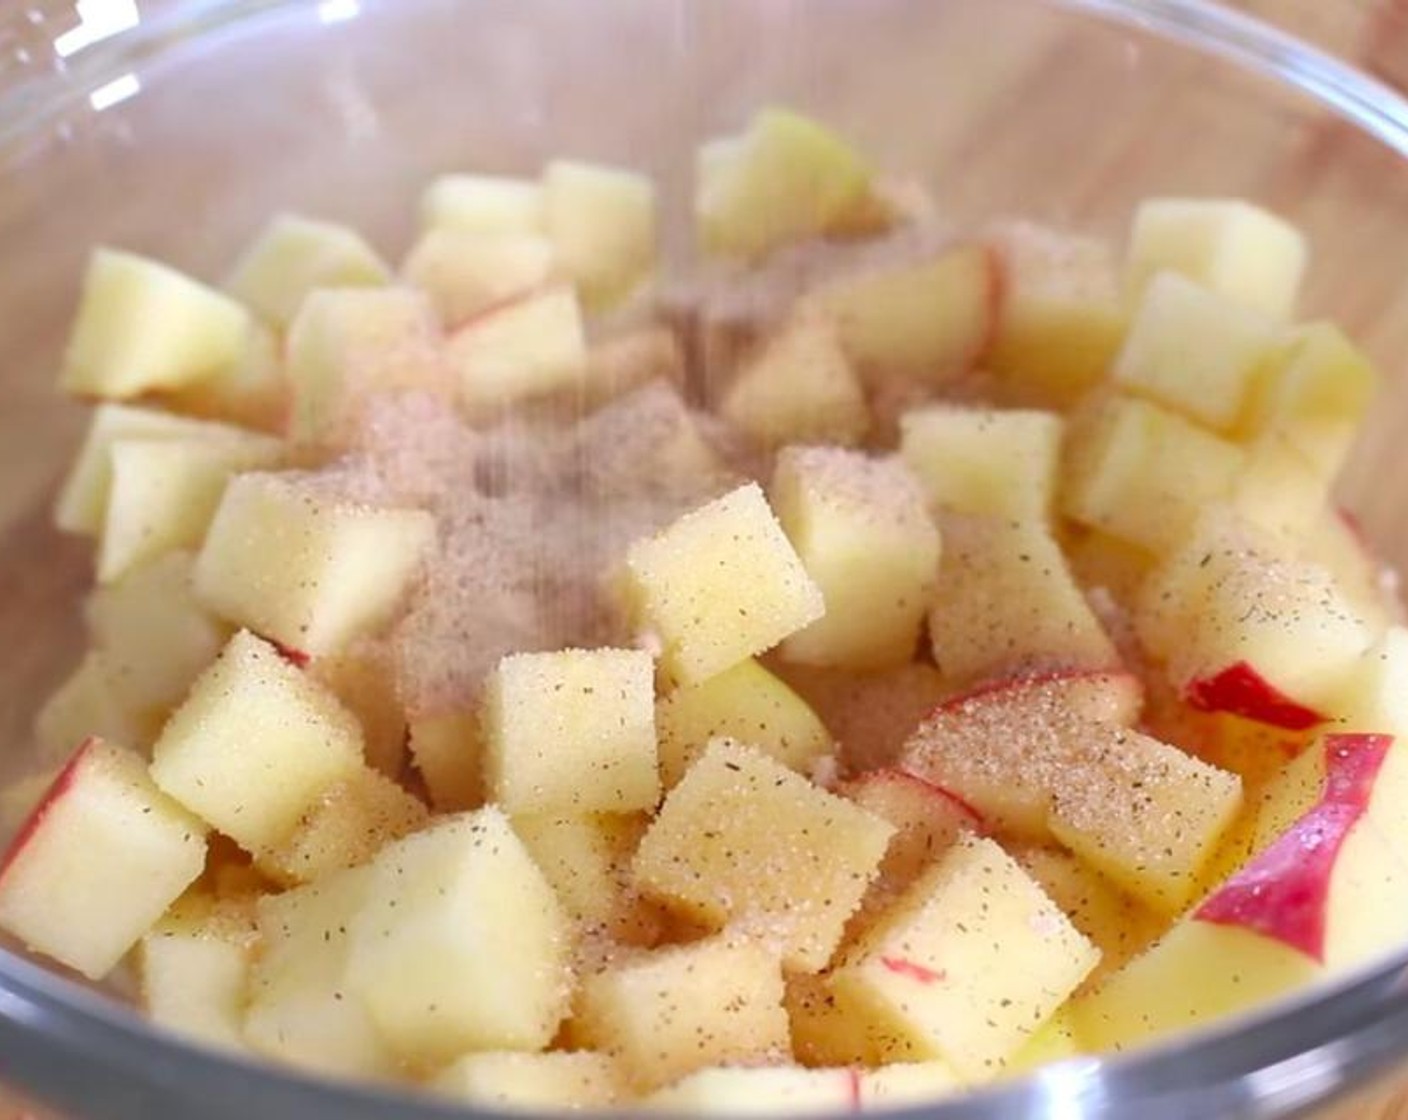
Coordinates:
(174, 128)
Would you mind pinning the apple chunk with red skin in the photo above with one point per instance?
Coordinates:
(1328, 893)
(98, 861)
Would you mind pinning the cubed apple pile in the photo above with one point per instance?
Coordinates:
(891, 661)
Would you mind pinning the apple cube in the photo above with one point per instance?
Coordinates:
(307, 570)
(363, 678)
(292, 256)
(1102, 562)
(622, 363)
(143, 326)
(83, 501)
(1115, 921)
(346, 826)
(758, 1091)
(985, 461)
(1006, 603)
(587, 861)
(926, 321)
(1193, 351)
(460, 944)
(824, 1032)
(195, 968)
(786, 179)
(1144, 813)
(93, 700)
(482, 204)
(863, 533)
(519, 350)
(1003, 748)
(601, 221)
(721, 584)
(254, 745)
(164, 493)
(98, 861)
(154, 635)
(798, 387)
(348, 343)
(1316, 394)
(512, 1080)
(1143, 474)
(869, 715)
(301, 1009)
(670, 1012)
(1061, 322)
(465, 273)
(1328, 894)
(968, 964)
(1280, 489)
(1240, 251)
(746, 703)
(901, 1084)
(1338, 545)
(571, 732)
(253, 392)
(447, 751)
(743, 840)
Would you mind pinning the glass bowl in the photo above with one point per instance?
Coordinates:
(174, 129)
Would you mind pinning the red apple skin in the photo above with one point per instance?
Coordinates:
(298, 658)
(57, 789)
(853, 1088)
(1283, 892)
(1240, 690)
(932, 789)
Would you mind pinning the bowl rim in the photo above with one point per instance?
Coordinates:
(72, 1047)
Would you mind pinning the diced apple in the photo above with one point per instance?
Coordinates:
(1144, 813)
(1280, 489)
(301, 1009)
(83, 501)
(927, 321)
(862, 531)
(1240, 251)
(447, 750)
(482, 204)
(164, 493)
(742, 840)
(1315, 394)
(1193, 351)
(683, 1008)
(1102, 562)
(1114, 921)
(1338, 545)
(253, 392)
(1055, 1042)
(623, 363)
(1006, 603)
(512, 1080)
(721, 584)
(786, 179)
(92, 701)
(466, 272)
(984, 461)
(824, 1033)
(798, 387)
(143, 326)
(363, 678)
(460, 943)
(587, 860)
(304, 569)
(292, 256)
(1142, 474)
(254, 745)
(1329, 893)
(195, 975)
(346, 826)
(1061, 321)
(601, 221)
(154, 637)
(98, 861)
(968, 964)
(746, 703)
(571, 732)
(1004, 748)
(758, 1091)
(869, 715)
(346, 344)
(526, 348)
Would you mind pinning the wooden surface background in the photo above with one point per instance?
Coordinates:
(1363, 275)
